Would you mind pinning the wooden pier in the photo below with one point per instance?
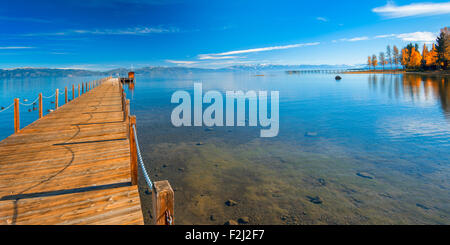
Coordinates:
(318, 71)
(75, 165)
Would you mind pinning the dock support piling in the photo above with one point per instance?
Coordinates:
(41, 109)
(163, 203)
(73, 91)
(78, 90)
(16, 116)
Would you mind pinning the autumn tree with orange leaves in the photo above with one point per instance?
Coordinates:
(436, 56)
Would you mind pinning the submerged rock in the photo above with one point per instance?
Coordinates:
(338, 78)
(231, 222)
(231, 203)
(387, 195)
(310, 134)
(322, 181)
(315, 200)
(365, 175)
(243, 220)
(422, 206)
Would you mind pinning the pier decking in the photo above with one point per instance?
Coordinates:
(71, 166)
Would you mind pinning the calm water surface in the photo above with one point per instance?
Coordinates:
(370, 149)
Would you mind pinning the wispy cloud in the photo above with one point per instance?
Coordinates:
(125, 31)
(209, 57)
(323, 19)
(24, 19)
(255, 50)
(354, 39)
(13, 47)
(426, 37)
(390, 10)
(181, 62)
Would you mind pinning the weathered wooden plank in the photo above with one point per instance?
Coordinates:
(82, 145)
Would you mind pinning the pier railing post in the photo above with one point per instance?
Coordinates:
(82, 88)
(16, 116)
(78, 90)
(127, 109)
(133, 151)
(56, 98)
(66, 96)
(41, 109)
(163, 203)
(73, 91)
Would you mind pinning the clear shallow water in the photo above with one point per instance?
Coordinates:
(380, 154)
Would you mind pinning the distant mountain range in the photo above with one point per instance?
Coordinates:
(157, 70)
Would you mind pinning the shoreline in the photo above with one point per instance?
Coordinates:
(398, 71)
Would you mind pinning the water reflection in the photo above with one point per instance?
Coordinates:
(420, 89)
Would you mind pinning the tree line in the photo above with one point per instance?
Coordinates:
(410, 57)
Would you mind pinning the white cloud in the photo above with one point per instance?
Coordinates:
(385, 36)
(3, 48)
(209, 57)
(355, 39)
(425, 36)
(323, 19)
(390, 10)
(262, 49)
(23, 19)
(181, 62)
(128, 31)
(418, 37)
(125, 31)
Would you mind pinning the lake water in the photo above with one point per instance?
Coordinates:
(369, 149)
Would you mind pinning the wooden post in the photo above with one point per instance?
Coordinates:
(66, 96)
(73, 91)
(16, 116)
(82, 89)
(78, 90)
(163, 203)
(56, 99)
(133, 151)
(127, 110)
(41, 109)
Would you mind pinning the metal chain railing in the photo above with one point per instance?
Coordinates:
(6, 108)
(141, 162)
(30, 104)
(48, 97)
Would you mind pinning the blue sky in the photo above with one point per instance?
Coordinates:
(101, 34)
